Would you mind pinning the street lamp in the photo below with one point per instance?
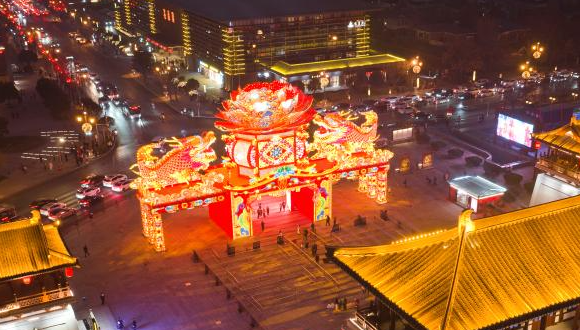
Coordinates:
(526, 69)
(537, 50)
(416, 65)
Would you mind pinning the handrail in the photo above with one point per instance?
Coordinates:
(36, 299)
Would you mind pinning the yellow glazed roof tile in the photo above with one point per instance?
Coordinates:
(28, 248)
(498, 269)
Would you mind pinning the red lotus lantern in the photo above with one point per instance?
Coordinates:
(68, 272)
(27, 280)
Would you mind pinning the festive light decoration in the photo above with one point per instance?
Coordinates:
(265, 107)
(267, 147)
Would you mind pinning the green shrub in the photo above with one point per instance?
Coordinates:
(512, 179)
(423, 138)
(454, 153)
(529, 186)
(437, 145)
(473, 161)
(491, 169)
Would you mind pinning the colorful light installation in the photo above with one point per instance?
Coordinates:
(268, 152)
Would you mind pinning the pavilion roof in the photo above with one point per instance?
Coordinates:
(566, 137)
(488, 274)
(30, 248)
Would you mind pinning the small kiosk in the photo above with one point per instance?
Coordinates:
(473, 192)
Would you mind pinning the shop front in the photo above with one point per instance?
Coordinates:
(474, 192)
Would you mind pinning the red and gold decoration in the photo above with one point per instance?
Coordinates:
(268, 152)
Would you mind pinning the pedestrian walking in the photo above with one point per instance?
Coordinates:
(262, 224)
(90, 215)
(428, 180)
(134, 325)
(120, 324)
(327, 220)
(405, 182)
(267, 210)
(102, 298)
(298, 229)
(86, 250)
(312, 228)
(280, 207)
(334, 222)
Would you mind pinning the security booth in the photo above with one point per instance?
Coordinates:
(473, 192)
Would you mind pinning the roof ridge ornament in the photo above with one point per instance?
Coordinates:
(465, 226)
(465, 223)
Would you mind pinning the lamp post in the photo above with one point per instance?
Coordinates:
(416, 65)
(526, 69)
(537, 50)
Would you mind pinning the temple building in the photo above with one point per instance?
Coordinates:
(558, 166)
(518, 270)
(34, 267)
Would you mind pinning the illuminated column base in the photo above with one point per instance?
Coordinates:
(145, 216)
(371, 185)
(158, 238)
(362, 183)
(382, 186)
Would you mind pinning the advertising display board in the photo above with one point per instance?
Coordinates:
(514, 130)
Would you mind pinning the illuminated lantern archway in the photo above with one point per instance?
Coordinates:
(269, 151)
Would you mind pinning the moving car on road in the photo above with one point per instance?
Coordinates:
(92, 180)
(7, 213)
(87, 191)
(110, 180)
(91, 201)
(132, 110)
(46, 209)
(61, 213)
(38, 203)
(122, 185)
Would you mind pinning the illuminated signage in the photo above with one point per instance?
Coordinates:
(357, 24)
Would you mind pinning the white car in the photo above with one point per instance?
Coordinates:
(122, 185)
(405, 111)
(88, 191)
(45, 210)
(485, 93)
(61, 213)
(110, 180)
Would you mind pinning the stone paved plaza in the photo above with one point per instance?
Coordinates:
(280, 286)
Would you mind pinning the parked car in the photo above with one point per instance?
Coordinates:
(87, 191)
(7, 213)
(91, 201)
(109, 180)
(122, 185)
(51, 206)
(38, 203)
(61, 213)
(92, 180)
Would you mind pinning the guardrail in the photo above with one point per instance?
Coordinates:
(547, 164)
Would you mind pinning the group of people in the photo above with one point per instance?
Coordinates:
(263, 212)
(339, 304)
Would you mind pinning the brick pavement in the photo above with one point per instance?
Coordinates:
(282, 286)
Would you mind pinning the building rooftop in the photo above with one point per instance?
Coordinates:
(231, 10)
(30, 248)
(287, 69)
(566, 137)
(486, 274)
(476, 186)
